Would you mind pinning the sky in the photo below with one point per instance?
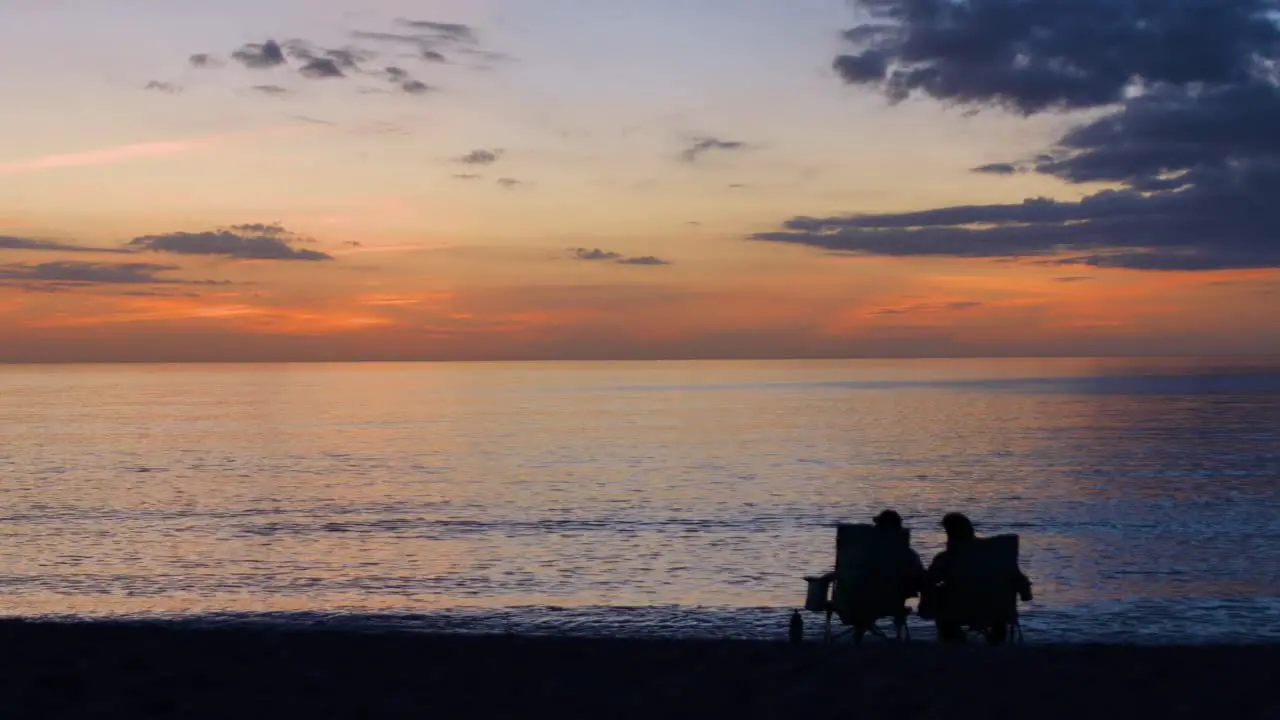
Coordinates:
(331, 180)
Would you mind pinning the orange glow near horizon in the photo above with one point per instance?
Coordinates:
(971, 307)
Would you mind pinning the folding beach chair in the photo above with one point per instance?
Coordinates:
(984, 589)
(866, 585)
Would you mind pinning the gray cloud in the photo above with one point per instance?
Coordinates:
(343, 59)
(317, 62)
(488, 56)
(242, 242)
(1073, 279)
(87, 273)
(643, 260)
(320, 68)
(271, 90)
(996, 169)
(260, 56)
(703, 145)
(415, 87)
(273, 229)
(163, 87)
(481, 157)
(598, 255)
(432, 39)
(311, 120)
(402, 79)
(467, 176)
(443, 31)
(389, 37)
(594, 254)
(1032, 56)
(204, 60)
(509, 183)
(8, 242)
(1193, 89)
(348, 58)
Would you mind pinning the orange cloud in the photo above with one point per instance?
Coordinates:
(938, 311)
(241, 316)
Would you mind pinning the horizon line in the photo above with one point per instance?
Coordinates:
(762, 358)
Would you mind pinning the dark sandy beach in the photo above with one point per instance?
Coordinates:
(119, 671)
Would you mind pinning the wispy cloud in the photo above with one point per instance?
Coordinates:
(932, 307)
(481, 157)
(9, 242)
(87, 273)
(598, 255)
(163, 87)
(126, 153)
(105, 156)
(705, 144)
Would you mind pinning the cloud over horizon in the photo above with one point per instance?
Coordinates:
(9, 242)
(598, 255)
(73, 273)
(254, 241)
(1193, 90)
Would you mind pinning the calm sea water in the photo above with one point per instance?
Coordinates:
(634, 498)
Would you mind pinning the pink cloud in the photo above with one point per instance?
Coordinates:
(135, 151)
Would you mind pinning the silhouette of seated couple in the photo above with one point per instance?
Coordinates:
(973, 583)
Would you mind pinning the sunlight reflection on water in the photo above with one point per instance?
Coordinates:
(1147, 493)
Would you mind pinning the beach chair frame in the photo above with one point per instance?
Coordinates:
(1008, 547)
(862, 552)
(823, 586)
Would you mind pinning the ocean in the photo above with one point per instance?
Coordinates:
(634, 498)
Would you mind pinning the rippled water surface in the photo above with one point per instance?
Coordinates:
(634, 498)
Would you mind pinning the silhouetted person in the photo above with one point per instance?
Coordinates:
(936, 603)
(912, 572)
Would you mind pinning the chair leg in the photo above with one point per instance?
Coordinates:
(900, 629)
(826, 635)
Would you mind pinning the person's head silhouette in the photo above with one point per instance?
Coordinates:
(888, 520)
(958, 527)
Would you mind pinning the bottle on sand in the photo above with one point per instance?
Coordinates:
(796, 631)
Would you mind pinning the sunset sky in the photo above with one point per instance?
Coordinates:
(269, 180)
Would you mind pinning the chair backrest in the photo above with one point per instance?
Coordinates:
(983, 578)
(869, 572)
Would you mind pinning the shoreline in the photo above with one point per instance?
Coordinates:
(155, 669)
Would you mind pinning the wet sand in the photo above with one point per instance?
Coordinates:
(121, 671)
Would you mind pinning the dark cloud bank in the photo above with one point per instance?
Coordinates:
(1192, 139)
